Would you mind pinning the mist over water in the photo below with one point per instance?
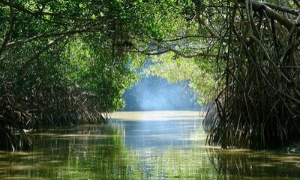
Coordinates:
(154, 93)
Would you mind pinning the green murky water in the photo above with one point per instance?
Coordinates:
(149, 145)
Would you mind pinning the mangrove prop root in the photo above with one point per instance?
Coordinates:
(259, 106)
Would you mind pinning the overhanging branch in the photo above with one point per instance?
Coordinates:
(282, 8)
(48, 46)
(257, 6)
(163, 49)
(49, 34)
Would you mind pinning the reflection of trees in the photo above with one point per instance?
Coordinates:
(85, 152)
(180, 164)
(107, 161)
(241, 164)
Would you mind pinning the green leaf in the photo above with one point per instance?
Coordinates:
(81, 5)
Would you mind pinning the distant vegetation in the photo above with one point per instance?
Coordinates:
(154, 93)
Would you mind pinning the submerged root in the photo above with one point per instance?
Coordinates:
(259, 106)
(18, 114)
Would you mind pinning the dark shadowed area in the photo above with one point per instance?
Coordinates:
(154, 93)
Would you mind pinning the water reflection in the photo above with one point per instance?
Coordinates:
(242, 164)
(151, 145)
(85, 152)
(158, 134)
(169, 145)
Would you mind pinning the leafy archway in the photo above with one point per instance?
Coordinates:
(65, 62)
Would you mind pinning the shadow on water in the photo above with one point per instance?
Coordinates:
(244, 164)
(132, 147)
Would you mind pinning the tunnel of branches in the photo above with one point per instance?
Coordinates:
(253, 45)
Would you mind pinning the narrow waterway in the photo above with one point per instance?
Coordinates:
(142, 145)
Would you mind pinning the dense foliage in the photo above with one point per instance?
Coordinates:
(62, 63)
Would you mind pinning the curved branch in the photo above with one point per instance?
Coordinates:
(282, 8)
(50, 44)
(274, 15)
(161, 49)
(151, 53)
(167, 49)
(187, 37)
(49, 34)
(271, 12)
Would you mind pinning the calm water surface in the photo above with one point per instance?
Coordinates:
(142, 145)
